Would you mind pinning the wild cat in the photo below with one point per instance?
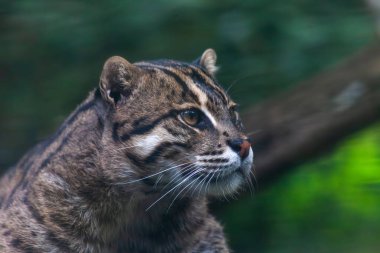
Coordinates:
(130, 170)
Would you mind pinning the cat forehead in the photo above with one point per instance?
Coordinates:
(191, 79)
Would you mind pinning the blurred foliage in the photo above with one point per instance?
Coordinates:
(329, 205)
(52, 53)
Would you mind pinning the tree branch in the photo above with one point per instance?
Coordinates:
(308, 120)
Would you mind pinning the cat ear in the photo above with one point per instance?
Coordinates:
(208, 61)
(116, 79)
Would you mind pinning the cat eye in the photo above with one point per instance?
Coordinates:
(191, 117)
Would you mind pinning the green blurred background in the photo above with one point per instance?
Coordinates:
(52, 52)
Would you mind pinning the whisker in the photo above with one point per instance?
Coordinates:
(253, 132)
(175, 187)
(250, 186)
(178, 174)
(157, 181)
(203, 181)
(209, 181)
(194, 190)
(255, 182)
(224, 194)
(183, 189)
(155, 174)
(238, 80)
(195, 181)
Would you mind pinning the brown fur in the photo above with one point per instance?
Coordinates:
(99, 185)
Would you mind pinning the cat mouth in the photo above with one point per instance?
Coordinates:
(228, 182)
(227, 176)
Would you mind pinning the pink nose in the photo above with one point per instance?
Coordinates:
(244, 151)
(241, 146)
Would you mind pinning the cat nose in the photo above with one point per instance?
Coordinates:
(240, 146)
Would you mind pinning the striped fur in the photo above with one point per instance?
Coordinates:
(126, 172)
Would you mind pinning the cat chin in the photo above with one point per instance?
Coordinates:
(231, 183)
(226, 186)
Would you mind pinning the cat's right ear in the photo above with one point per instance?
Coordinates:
(116, 79)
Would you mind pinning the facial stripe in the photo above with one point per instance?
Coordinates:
(194, 73)
(163, 148)
(191, 87)
(193, 81)
(198, 88)
(203, 98)
(204, 79)
(176, 133)
(209, 115)
(146, 144)
(160, 149)
(176, 77)
(190, 72)
(144, 128)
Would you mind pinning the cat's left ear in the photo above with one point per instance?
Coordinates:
(117, 78)
(208, 61)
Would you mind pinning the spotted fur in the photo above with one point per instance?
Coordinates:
(126, 172)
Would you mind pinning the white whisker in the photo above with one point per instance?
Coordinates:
(254, 132)
(201, 183)
(155, 174)
(184, 188)
(175, 187)
(178, 174)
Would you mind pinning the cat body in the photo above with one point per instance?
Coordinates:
(130, 170)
